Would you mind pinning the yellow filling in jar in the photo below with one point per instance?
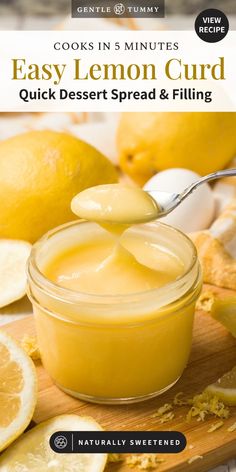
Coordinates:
(103, 266)
(114, 309)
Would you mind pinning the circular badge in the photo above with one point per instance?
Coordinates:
(119, 9)
(212, 25)
(60, 442)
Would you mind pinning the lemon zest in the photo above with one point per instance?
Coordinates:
(30, 346)
(204, 404)
(162, 410)
(180, 401)
(205, 301)
(144, 461)
(232, 428)
(194, 458)
(215, 426)
(114, 457)
(167, 417)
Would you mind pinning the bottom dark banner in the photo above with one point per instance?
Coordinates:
(117, 441)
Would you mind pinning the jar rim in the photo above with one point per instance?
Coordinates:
(73, 296)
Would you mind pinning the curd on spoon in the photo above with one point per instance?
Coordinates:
(116, 204)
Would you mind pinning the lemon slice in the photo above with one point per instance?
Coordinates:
(225, 388)
(224, 311)
(18, 390)
(13, 258)
(32, 452)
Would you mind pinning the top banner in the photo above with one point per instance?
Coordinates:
(114, 9)
(116, 71)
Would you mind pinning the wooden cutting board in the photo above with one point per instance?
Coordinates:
(213, 353)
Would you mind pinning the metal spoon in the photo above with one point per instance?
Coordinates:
(167, 202)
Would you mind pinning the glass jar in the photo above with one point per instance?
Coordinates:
(114, 349)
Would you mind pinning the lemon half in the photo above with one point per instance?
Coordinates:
(18, 390)
(225, 388)
(32, 451)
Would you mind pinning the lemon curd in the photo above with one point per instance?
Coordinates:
(107, 267)
(114, 305)
(115, 204)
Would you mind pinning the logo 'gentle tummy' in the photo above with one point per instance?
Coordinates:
(112, 8)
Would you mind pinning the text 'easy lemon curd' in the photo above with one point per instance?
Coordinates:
(114, 307)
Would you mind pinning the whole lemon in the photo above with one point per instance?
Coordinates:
(40, 172)
(150, 142)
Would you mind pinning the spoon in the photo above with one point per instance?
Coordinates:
(167, 202)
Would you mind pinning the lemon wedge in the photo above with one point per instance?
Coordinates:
(18, 390)
(225, 388)
(32, 452)
(224, 311)
(13, 258)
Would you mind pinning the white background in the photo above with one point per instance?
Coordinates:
(37, 47)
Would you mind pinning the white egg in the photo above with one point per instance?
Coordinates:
(197, 211)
